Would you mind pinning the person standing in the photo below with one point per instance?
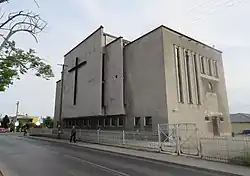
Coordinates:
(73, 134)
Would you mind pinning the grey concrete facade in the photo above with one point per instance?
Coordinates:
(213, 104)
(57, 104)
(145, 80)
(113, 95)
(139, 84)
(88, 99)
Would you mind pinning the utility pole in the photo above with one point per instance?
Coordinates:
(17, 109)
(61, 100)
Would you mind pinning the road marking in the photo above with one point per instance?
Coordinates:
(115, 172)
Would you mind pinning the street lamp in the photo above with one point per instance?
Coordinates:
(61, 100)
(15, 121)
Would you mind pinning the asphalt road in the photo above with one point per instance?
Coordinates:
(25, 157)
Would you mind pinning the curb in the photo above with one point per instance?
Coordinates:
(141, 157)
(4, 171)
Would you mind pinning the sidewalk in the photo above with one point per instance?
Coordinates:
(166, 158)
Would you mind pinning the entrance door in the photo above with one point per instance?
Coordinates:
(215, 126)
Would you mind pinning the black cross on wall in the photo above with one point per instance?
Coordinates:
(75, 68)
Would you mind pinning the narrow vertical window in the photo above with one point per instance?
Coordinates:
(189, 86)
(178, 75)
(99, 123)
(197, 80)
(216, 69)
(120, 121)
(210, 72)
(137, 122)
(210, 87)
(103, 79)
(85, 122)
(113, 121)
(148, 121)
(106, 122)
(207, 66)
(202, 64)
(89, 122)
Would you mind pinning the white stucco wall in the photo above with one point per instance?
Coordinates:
(145, 79)
(114, 78)
(192, 112)
(88, 101)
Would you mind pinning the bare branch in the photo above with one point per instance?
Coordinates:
(10, 18)
(2, 1)
(22, 22)
(25, 30)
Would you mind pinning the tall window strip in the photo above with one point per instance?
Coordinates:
(210, 72)
(207, 65)
(189, 86)
(197, 79)
(178, 75)
(202, 64)
(216, 69)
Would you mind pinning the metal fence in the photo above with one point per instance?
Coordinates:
(179, 139)
(235, 150)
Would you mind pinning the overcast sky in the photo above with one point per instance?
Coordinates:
(223, 23)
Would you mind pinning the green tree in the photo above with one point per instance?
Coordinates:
(48, 122)
(5, 121)
(15, 61)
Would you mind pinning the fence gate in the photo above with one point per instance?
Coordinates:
(179, 138)
(188, 139)
(167, 137)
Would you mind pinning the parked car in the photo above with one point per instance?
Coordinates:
(246, 132)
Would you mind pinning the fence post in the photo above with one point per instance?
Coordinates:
(228, 143)
(98, 135)
(177, 139)
(198, 142)
(80, 136)
(159, 136)
(123, 137)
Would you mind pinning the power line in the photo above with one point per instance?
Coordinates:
(214, 7)
(201, 5)
(219, 8)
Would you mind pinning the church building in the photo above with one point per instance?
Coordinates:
(161, 77)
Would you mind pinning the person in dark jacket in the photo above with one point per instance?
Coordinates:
(73, 134)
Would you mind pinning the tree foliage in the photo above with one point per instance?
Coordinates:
(48, 122)
(15, 61)
(5, 121)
